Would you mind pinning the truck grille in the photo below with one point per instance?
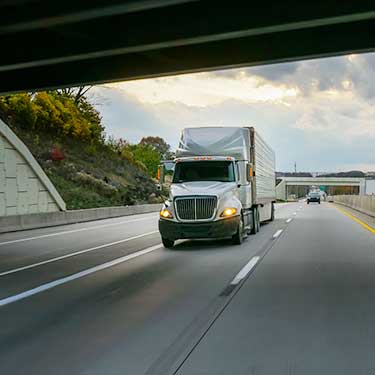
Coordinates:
(195, 208)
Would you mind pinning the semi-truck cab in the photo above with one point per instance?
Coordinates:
(223, 185)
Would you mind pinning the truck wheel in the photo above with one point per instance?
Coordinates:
(256, 222)
(237, 238)
(167, 243)
(272, 212)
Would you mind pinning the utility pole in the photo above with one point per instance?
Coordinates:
(295, 167)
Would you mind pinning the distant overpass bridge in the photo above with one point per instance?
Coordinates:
(301, 185)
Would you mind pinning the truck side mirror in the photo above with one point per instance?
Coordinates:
(249, 171)
(165, 167)
(160, 175)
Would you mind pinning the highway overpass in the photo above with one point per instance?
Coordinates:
(289, 185)
(48, 44)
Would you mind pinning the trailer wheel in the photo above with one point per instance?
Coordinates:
(167, 243)
(272, 211)
(256, 221)
(237, 238)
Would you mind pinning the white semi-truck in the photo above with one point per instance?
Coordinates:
(223, 185)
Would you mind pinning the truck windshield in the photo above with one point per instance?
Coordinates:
(204, 171)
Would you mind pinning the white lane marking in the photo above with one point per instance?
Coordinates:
(277, 234)
(289, 220)
(73, 231)
(75, 253)
(245, 270)
(64, 280)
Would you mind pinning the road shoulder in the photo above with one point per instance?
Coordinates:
(351, 212)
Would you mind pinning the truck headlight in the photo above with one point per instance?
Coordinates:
(230, 211)
(166, 214)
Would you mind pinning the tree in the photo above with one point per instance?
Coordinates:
(54, 112)
(76, 93)
(148, 156)
(159, 145)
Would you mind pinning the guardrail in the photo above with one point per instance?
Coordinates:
(362, 203)
(49, 219)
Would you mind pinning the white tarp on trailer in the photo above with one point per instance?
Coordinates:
(215, 141)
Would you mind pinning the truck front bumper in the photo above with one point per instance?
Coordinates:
(173, 230)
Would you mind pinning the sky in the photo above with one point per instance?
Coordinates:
(318, 113)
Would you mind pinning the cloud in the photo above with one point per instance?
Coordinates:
(204, 89)
(344, 73)
(274, 72)
(123, 116)
(320, 113)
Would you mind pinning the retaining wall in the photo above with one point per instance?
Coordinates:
(24, 187)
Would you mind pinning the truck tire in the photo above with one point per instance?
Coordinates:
(167, 243)
(237, 238)
(256, 221)
(272, 211)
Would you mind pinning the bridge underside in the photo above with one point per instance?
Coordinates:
(49, 44)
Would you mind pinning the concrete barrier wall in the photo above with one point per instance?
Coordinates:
(362, 203)
(49, 219)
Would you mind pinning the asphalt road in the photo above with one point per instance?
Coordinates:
(106, 298)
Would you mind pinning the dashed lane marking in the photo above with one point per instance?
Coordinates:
(74, 254)
(67, 279)
(245, 270)
(277, 234)
(74, 231)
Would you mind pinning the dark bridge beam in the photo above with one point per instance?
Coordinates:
(98, 41)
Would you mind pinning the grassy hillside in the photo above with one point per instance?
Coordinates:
(65, 135)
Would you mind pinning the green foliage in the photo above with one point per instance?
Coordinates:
(159, 145)
(55, 113)
(143, 156)
(147, 156)
(20, 108)
(95, 171)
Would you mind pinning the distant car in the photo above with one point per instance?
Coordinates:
(313, 197)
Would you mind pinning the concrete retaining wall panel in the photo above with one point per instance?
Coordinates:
(19, 174)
